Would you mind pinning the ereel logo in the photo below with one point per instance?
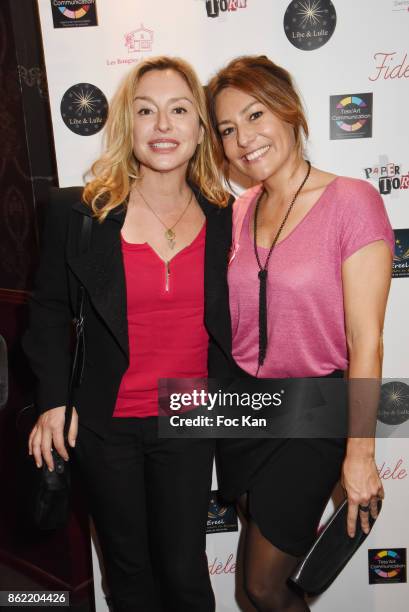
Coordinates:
(401, 264)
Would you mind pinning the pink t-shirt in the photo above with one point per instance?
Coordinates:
(306, 328)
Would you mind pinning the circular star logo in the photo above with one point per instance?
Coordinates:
(309, 24)
(394, 403)
(84, 109)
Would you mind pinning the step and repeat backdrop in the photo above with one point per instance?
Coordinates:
(351, 63)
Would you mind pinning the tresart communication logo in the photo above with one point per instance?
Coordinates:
(74, 13)
(351, 116)
(388, 177)
(84, 109)
(216, 8)
(221, 517)
(387, 565)
(309, 24)
(401, 257)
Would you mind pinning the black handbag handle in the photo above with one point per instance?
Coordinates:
(79, 349)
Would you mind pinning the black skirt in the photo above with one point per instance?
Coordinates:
(288, 483)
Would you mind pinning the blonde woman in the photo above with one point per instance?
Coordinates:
(157, 307)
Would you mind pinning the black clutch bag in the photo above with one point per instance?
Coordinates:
(330, 552)
(52, 489)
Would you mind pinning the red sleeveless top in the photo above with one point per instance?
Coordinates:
(165, 311)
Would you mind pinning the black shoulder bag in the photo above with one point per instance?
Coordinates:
(51, 507)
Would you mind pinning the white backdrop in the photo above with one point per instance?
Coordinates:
(347, 64)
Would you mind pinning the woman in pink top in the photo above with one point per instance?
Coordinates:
(156, 307)
(309, 276)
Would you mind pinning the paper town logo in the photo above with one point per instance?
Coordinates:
(84, 109)
(401, 264)
(309, 24)
(351, 116)
(74, 13)
(215, 8)
(390, 66)
(138, 43)
(387, 565)
(388, 177)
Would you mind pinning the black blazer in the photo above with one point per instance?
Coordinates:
(48, 340)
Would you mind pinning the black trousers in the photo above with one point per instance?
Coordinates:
(149, 500)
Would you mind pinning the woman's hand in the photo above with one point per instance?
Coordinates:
(48, 433)
(363, 486)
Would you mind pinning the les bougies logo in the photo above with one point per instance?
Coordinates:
(138, 42)
(74, 13)
(215, 8)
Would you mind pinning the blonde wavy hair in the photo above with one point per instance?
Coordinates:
(113, 174)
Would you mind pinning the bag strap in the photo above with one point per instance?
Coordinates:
(79, 349)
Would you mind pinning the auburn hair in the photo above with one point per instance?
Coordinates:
(270, 84)
(113, 174)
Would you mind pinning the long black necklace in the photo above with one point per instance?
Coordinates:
(262, 274)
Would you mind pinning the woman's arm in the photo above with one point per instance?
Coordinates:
(366, 277)
(47, 341)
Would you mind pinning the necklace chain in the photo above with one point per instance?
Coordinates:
(169, 234)
(280, 229)
(262, 273)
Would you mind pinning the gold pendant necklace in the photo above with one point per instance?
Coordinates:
(169, 233)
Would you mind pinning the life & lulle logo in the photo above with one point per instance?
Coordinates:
(217, 8)
(387, 176)
(387, 565)
(138, 42)
(309, 24)
(401, 257)
(351, 116)
(84, 109)
(394, 402)
(221, 517)
(74, 13)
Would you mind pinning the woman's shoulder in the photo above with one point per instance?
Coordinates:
(354, 190)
